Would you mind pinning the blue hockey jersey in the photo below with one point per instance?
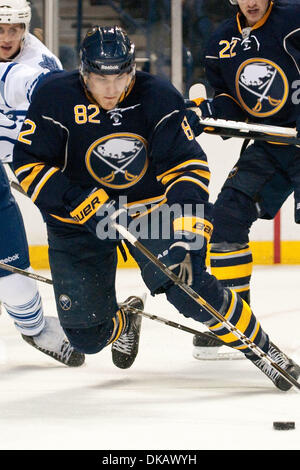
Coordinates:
(255, 71)
(143, 149)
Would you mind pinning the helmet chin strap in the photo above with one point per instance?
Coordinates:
(129, 86)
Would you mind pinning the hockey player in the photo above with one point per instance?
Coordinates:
(19, 295)
(113, 137)
(253, 64)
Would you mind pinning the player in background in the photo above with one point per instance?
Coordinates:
(115, 136)
(253, 64)
(18, 294)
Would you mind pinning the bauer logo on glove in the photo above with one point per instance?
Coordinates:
(89, 206)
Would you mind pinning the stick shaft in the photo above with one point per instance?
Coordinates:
(209, 308)
(227, 132)
(34, 276)
(173, 324)
(248, 127)
(243, 130)
(17, 187)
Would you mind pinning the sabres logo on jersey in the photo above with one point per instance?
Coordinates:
(262, 87)
(118, 160)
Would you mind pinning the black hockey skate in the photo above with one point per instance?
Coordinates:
(207, 340)
(52, 341)
(284, 362)
(125, 349)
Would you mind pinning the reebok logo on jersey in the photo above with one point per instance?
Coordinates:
(109, 67)
(9, 259)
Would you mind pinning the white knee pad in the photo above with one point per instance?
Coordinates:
(21, 299)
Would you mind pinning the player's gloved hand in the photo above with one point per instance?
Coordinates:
(191, 235)
(198, 109)
(96, 211)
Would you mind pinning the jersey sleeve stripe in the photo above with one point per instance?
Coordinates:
(191, 180)
(28, 180)
(165, 117)
(25, 168)
(172, 176)
(189, 164)
(42, 182)
(285, 47)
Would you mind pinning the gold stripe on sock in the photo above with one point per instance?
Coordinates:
(252, 337)
(232, 272)
(227, 315)
(241, 325)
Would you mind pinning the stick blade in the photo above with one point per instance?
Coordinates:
(197, 90)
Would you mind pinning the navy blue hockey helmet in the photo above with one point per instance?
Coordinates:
(107, 50)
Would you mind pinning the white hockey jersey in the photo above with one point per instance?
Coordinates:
(17, 82)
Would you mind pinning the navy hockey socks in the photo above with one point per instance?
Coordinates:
(233, 269)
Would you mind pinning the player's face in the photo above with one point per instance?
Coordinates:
(107, 89)
(11, 36)
(253, 10)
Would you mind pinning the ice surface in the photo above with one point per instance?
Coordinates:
(168, 399)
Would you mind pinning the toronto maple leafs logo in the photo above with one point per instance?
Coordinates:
(262, 87)
(118, 160)
(49, 63)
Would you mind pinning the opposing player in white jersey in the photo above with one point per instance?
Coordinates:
(18, 294)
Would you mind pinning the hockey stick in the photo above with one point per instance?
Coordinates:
(209, 308)
(188, 290)
(242, 134)
(34, 276)
(173, 324)
(37, 277)
(18, 187)
(244, 130)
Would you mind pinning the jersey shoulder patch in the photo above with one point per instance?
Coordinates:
(49, 63)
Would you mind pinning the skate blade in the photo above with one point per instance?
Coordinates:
(217, 354)
(144, 298)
